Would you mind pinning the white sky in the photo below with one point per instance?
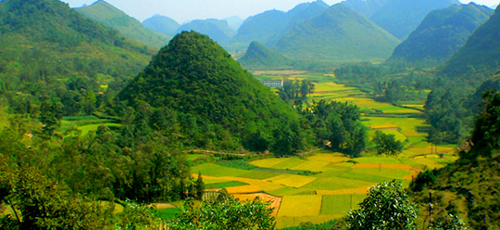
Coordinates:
(185, 10)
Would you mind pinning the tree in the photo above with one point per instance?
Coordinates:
(486, 134)
(387, 144)
(386, 207)
(200, 187)
(225, 212)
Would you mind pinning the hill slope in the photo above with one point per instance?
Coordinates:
(110, 16)
(67, 56)
(341, 34)
(259, 56)
(216, 102)
(401, 17)
(162, 24)
(218, 30)
(481, 52)
(442, 33)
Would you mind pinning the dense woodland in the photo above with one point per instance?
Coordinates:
(55, 64)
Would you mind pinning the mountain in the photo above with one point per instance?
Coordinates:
(162, 24)
(475, 99)
(48, 49)
(480, 53)
(297, 15)
(110, 16)
(269, 26)
(261, 27)
(365, 7)
(401, 17)
(190, 84)
(340, 34)
(259, 56)
(218, 30)
(442, 33)
(234, 22)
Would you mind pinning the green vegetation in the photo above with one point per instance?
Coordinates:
(259, 56)
(108, 15)
(225, 212)
(187, 99)
(386, 207)
(319, 38)
(387, 144)
(479, 54)
(441, 34)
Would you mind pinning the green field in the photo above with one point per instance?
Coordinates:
(326, 194)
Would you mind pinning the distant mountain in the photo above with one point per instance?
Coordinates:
(480, 53)
(259, 56)
(190, 84)
(110, 16)
(442, 33)
(218, 30)
(340, 34)
(365, 7)
(401, 17)
(162, 24)
(234, 22)
(269, 26)
(297, 15)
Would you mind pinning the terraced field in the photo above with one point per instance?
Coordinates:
(336, 183)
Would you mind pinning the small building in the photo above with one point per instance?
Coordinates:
(272, 83)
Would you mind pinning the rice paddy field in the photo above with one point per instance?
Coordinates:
(335, 183)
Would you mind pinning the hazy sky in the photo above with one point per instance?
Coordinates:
(184, 10)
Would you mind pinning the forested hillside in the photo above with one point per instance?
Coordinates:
(51, 52)
(162, 24)
(441, 34)
(481, 53)
(401, 17)
(189, 86)
(469, 187)
(110, 16)
(340, 34)
(259, 56)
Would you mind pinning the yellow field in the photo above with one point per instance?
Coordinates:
(290, 180)
(307, 205)
(314, 166)
(268, 163)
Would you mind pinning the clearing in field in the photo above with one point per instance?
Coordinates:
(295, 181)
(307, 205)
(340, 204)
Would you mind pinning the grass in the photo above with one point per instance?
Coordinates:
(87, 128)
(336, 183)
(166, 213)
(288, 191)
(308, 205)
(214, 170)
(260, 175)
(375, 175)
(335, 158)
(224, 185)
(243, 189)
(192, 157)
(340, 204)
(289, 163)
(268, 163)
(294, 181)
(312, 165)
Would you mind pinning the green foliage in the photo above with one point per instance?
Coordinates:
(386, 207)
(423, 179)
(442, 33)
(339, 124)
(225, 213)
(110, 16)
(49, 51)
(259, 56)
(193, 80)
(451, 222)
(480, 52)
(486, 134)
(309, 226)
(320, 38)
(387, 144)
